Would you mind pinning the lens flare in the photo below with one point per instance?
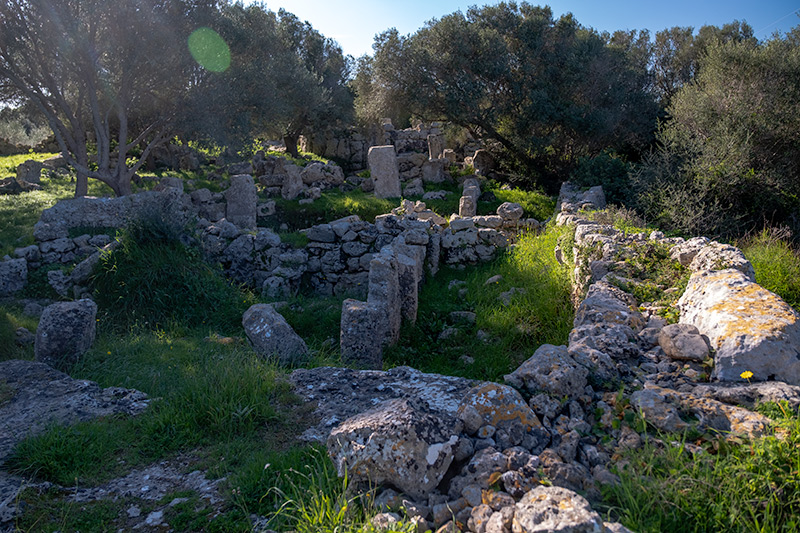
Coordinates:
(209, 50)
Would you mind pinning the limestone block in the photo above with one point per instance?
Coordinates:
(718, 256)
(467, 207)
(435, 146)
(450, 155)
(292, 184)
(750, 328)
(408, 276)
(546, 509)
(384, 171)
(361, 334)
(13, 275)
(510, 211)
(683, 342)
(384, 294)
(271, 336)
(400, 442)
(550, 369)
(242, 199)
(30, 171)
(66, 331)
(434, 171)
(483, 162)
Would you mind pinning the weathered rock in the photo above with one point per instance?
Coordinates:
(551, 369)
(750, 328)
(242, 199)
(434, 171)
(13, 276)
(683, 342)
(661, 407)
(361, 342)
(605, 303)
(555, 509)
(717, 256)
(66, 330)
(292, 184)
(435, 146)
(399, 443)
(467, 207)
(30, 171)
(384, 294)
(686, 251)
(384, 172)
(484, 162)
(340, 393)
(271, 336)
(510, 212)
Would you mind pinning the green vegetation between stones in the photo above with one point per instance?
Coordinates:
(735, 485)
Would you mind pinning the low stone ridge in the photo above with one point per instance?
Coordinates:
(66, 331)
(749, 328)
(272, 337)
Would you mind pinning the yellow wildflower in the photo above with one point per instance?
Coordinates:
(746, 374)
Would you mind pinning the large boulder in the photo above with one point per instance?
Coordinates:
(66, 331)
(400, 443)
(271, 336)
(718, 256)
(384, 171)
(749, 328)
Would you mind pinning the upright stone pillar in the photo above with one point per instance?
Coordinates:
(242, 201)
(384, 171)
(435, 146)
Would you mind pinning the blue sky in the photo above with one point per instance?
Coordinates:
(354, 23)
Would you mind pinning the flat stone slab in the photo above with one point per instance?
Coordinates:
(341, 393)
(35, 395)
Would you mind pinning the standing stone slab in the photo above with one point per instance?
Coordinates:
(292, 184)
(750, 328)
(13, 276)
(408, 279)
(242, 199)
(435, 146)
(434, 171)
(66, 331)
(384, 293)
(361, 335)
(467, 207)
(384, 171)
(271, 336)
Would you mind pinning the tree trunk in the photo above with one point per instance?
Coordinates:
(82, 178)
(290, 140)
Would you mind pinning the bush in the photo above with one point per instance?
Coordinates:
(608, 170)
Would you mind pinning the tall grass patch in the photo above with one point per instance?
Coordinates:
(529, 306)
(776, 261)
(203, 393)
(738, 486)
(159, 282)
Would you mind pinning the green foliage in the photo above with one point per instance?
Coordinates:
(728, 486)
(606, 169)
(539, 313)
(154, 280)
(776, 262)
(730, 151)
(548, 90)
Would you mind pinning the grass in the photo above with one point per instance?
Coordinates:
(540, 314)
(11, 318)
(9, 163)
(176, 288)
(746, 486)
(776, 262)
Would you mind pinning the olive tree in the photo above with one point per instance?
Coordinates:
(107, 75)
